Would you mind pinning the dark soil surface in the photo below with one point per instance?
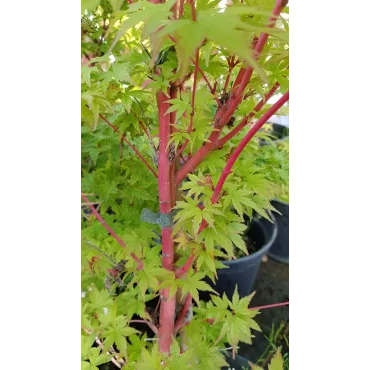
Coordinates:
(272, 286)
(252, 247)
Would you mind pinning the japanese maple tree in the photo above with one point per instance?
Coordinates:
(174, 94)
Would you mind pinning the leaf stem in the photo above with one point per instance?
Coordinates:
(111, 232)
(130, 145)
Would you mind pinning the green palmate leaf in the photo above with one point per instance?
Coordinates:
(153, 15)
(121, 72)
(86, 343)
(238, 322)
(130, 303)
(189, 36)
(148, 277)
(89, 5)
(277, 362)
(179, 106)
(116, 332)
(206, 262)
(192, 284)
(179, 360)
(116, 4)
(234, 35)
(135, 346)
(206, 52)
(150, 360)
(88, 366)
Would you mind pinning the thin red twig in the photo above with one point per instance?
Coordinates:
(151, 326)
(245, 121)
(203, 75)
(139, 155)
(270, 306)
(130, 145)
(231, 64)
(193, 11)
(185, 267)
(145, 130)
(211, 321)
(110, 230)
(183, 312)
(181, 8)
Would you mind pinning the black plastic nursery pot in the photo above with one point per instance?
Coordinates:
(279, 250)
(280, 132)
(239, 363)
(243, 271)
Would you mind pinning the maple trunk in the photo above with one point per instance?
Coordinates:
(167, 310)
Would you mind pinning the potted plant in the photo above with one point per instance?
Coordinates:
(280, 247)
(135, 136)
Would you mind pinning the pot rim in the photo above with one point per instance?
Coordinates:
(281, 202)
(260, 252)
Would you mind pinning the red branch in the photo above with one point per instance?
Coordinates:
(145, 130)
(185, 268)
(181, 8)
(211, 321)
(110, 230)
(168, 304)
(270, 306)
(224, 114)
(231, 63)
(193, 11)
(139, 155)
(130, 145)
(245, 121)
(183, 312)
(242, 69)
(227, 170)
(203, 75)
(151, 326)
(280, 4)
